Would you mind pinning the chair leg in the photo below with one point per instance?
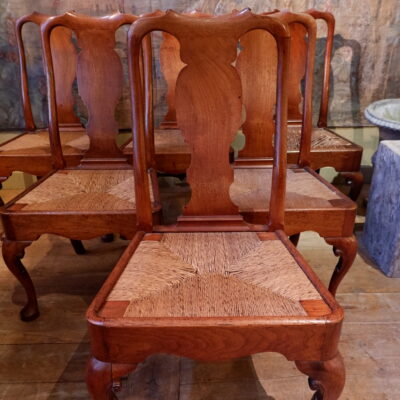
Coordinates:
(346, 249)
(295, 239)
(78, 246)
(1, 199)
(108, 238)
(327, 378)
(356, 181)
(103, 379)
(13, 252)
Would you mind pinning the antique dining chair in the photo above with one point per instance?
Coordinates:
(30, 152)
(312, 204)
(96, 197)
(212, 287)
(172, 154)
(329, 149)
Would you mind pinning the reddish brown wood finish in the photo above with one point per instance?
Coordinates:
(100, 85)
(347, 162)
(330, 24)
(258, 51)
(103, 379)
(327, 377)
(212, 86)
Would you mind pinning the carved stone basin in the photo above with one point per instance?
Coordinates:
(386, 115)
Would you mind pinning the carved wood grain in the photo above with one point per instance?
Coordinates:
(257, 66)
(215, 97)
(100, 81)
(65, 60)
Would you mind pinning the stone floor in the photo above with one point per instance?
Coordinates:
(45, 359)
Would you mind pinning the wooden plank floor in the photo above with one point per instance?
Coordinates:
(45, 359)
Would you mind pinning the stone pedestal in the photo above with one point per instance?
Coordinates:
(382, 226)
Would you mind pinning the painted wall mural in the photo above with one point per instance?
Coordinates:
(365, 64)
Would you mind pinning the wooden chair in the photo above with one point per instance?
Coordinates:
(30, 152)
(328, 149)
(312, 204)
(96, 197)
(212, 287)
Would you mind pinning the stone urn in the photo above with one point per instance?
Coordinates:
(386, 115)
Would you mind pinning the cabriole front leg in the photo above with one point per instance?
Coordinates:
(13, 252)
(103, 379)
(327, 378)
(346, 249)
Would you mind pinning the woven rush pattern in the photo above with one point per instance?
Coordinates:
(171, 141)
(212, 275)
(251, 190)
(39, 144)
(83, 190)
(320, 139)
(167, 141)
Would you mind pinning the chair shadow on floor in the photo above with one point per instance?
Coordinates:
(167, 377)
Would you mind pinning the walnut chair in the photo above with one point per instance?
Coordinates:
(328, 149)
(30, 152)
(334, 150)
(212, 287)
(312, 204)
(97, 196)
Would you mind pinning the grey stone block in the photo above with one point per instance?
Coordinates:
(382, 226)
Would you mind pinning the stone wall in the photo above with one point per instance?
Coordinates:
(365, 63)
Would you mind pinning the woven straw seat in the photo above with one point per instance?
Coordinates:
(213, 275)
(321, 139)
(76, 142)
(82, 190)
(251, 190)
(171, 141)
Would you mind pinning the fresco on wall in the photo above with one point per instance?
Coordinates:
(365, 62)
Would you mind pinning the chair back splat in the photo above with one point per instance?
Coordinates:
(209, 108)
(100, 83)
(64, 63)
(257, 69)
